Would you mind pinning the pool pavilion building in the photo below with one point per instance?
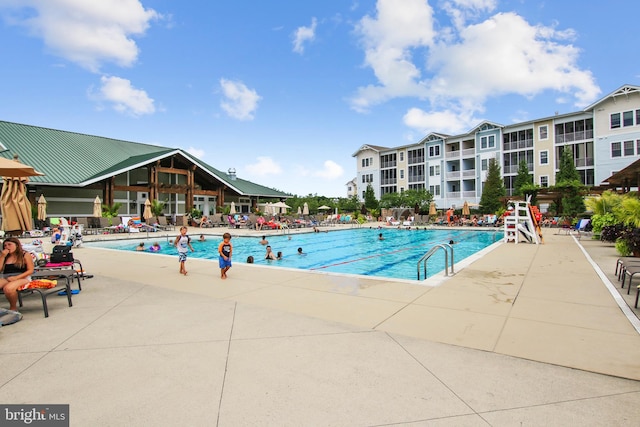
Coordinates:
(79, 167)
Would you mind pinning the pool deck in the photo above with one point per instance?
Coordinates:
(526, 335)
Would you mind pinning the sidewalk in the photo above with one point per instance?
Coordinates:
(521, 337)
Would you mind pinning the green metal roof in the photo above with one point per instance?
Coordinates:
(75, 159)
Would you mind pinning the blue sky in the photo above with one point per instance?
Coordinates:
(285, 92)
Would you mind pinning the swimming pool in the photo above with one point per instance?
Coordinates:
(353, 251)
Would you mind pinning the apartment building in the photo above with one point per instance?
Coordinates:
(603, 138)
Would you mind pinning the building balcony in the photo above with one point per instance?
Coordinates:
(453, 175)
(574, 136)
(452, 154)
(469, 152)
(417, 178)
(469, 194)
(469, 173)
(391, 181)
(386, 165)
(518, 145)
(416, 160)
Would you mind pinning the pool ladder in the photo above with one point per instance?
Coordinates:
(423, 261)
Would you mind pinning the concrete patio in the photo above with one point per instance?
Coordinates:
(527, 335)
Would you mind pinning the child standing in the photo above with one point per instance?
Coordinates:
(225, 249)
(182, 242)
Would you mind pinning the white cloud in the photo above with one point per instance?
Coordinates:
(124, 97)
(196, 152)
(388, 40)
(88, 33)
(239, 101)
(465, 64)
(304, 34)
(264, 166)
(330, 170)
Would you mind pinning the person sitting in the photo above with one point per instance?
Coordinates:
(269, 255)
(155, 247)
(17, 267)
(260, 222)
(204, 221)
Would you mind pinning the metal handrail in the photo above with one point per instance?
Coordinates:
(433, 250)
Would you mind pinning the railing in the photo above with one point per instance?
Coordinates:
(574, 136)
(433, 250)
(451, 154)
(469, 152)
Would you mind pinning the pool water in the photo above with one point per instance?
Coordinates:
(353, 251)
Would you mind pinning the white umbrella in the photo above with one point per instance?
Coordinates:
(147, 214)
(233, 208)
(42, 208)
(97, 208)
(299, 211)
(305, 209)
(281, 206)
(324, 208)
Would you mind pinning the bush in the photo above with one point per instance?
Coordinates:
(610, 233)
(631, 239)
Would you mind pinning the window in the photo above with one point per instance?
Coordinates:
(637, 148)
(615, 120)
(434, 170)
(544, 181)
(627, 118)
(616, 149)
(401, 173)
(488, 141)
(483, 142)
(544, 157)
(492, 141)
(434, 151)
(402, 157)
(434, 189)
(638, 117)
(628, 148)
(544, 132)
(485, 164)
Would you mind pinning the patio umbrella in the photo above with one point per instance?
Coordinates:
(16, 209)
(281, 206)
(42, 208)
(233, 208)
(324, 208)
(13, 168)
(147, 215)
(299, 211)
(465, 208)
(97, 208)
(432, 209)
(305, 209)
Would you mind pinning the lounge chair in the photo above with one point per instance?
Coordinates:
(164, 225)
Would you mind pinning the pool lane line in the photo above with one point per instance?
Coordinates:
(367, 257)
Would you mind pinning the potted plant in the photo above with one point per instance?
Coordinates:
(629, 242)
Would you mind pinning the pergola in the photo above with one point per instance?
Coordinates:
(626, 179)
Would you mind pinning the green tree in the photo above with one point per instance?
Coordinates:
(523, 178)
(157, 208)
(568, 184)
(493, 189)
(370, 201)
(419, 200)
(390, 200)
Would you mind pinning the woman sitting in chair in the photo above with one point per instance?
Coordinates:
(17, 267)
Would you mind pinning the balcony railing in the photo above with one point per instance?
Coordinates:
(414, 160)
(389, 181)
(580, 163)
(452, 154)
(453, 175)
(453, 194)
(574, 136)
(468, 194)
(416, 178)
(468, 173)
(469, 152)
(518, 145)
(388, 164)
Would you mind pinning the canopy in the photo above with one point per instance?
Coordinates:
(42, 208)
(97, 208)
(13, 168)
(16, 209)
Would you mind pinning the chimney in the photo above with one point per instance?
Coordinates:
(231, 173)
